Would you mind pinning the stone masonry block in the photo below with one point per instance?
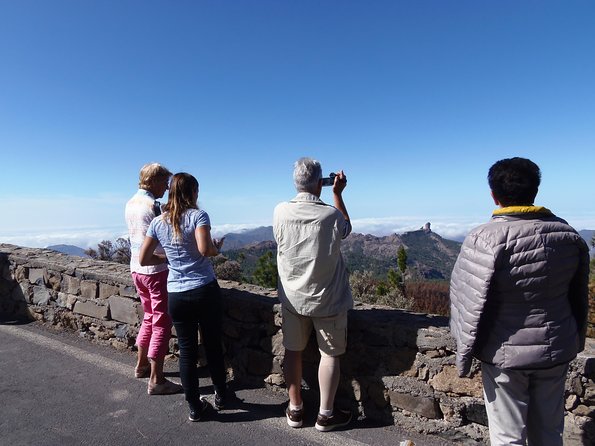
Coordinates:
(37, 276)
(54, 281)
(434, 339)
(106, 290)
(124, 309)
(71, 285)
(127, 291)
(26, 290)
(89, 289)
(448, 381)
(41, 295)
(274, 344)
(476, 413)
(66, 300)
(20, 273)
(243, 311)
(257, 362)
(424, 406)
(91, 309)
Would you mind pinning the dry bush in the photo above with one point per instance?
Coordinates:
(118, 251)
(430, 297)
(226, 269)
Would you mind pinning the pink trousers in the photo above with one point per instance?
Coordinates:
(155, 329)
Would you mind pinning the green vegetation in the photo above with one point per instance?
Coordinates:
(422, 296)
(265, 273)
(405, 281)
(358, 261)
(402, 260)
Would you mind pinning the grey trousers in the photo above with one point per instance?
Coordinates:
(525, 407)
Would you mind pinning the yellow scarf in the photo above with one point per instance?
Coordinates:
(521, 210)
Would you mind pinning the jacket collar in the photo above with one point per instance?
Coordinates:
(519, 210)
(307, 196)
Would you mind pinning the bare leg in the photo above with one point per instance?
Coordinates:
(328, 380)
(142, 361)
(292, 369)
(157, 376)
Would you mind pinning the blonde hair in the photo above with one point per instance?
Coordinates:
(149, 173)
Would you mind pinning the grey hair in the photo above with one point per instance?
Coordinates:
(307, 172)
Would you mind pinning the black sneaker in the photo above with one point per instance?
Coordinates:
(339, 418)
(295, 418)
(219, 401)
(198, 414)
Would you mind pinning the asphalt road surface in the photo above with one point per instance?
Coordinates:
(59, 389)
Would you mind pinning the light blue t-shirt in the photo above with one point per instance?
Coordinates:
(188, 268)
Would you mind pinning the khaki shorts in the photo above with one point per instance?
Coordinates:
(331, 332)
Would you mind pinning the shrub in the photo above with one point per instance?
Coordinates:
(265, 273)
(118, 251)
(226, 269)
(368, 289)
(429, 296)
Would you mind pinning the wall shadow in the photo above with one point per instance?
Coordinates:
(13, 302)
(382, 348)
(248, 337)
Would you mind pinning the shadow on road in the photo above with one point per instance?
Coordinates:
(12, 319)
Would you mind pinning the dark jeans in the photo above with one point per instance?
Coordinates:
(189, 309)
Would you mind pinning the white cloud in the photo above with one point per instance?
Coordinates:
(45, 230)
(220, 230)
(81, 237)
(450, 228)
(453, 228)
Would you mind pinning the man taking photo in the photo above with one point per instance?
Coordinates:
(313, 287)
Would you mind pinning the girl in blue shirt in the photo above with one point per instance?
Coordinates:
(184, 232)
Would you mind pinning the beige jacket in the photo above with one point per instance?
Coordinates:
(313, 280)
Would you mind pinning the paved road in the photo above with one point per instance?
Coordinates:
(59, 389)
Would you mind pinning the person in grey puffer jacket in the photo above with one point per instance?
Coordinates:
(519, 304)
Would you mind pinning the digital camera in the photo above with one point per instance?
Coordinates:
(329, 181)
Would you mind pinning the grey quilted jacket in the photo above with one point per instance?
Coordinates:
(519, 291)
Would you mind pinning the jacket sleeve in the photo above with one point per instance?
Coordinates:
(578, 293)
(469, 286)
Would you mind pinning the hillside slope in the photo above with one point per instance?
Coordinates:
(429, 256)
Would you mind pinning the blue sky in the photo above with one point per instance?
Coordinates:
(413, 99)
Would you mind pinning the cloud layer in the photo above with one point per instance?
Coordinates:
(86, 237)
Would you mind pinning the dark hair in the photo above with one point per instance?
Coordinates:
(182, 196)
(514, 181)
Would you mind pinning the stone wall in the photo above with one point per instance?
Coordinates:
(399, 366)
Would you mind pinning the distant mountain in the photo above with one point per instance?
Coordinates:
(248, 256)
(428, 255)
(247, 237)
(69, 249)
